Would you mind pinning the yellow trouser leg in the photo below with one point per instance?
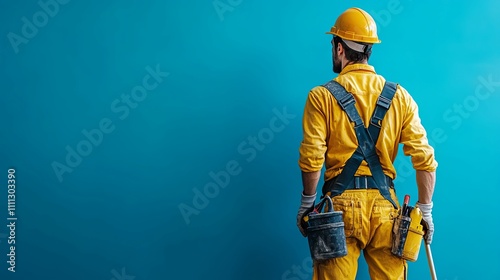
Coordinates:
(339, 268)
(382, 264)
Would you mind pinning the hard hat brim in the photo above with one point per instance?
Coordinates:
(374, 41)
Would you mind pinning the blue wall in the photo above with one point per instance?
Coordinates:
(117, 114)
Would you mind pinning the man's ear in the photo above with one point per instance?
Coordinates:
(340, 48)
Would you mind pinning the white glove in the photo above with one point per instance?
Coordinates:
(427, 220)
(306, 206)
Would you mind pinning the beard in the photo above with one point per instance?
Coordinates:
(337, 65)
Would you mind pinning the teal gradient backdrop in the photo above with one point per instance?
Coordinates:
(117, 114)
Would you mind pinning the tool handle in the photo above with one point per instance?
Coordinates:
(320, 205)
(405, 205)
(430, 260)
(407, 199)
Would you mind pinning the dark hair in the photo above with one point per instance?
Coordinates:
(351, 54)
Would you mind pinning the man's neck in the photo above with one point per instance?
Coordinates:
(346, 62)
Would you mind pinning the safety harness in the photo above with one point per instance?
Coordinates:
(367, 138)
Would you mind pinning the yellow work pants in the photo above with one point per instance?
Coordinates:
(368, 220)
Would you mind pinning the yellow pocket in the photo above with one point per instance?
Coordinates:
(347, 207)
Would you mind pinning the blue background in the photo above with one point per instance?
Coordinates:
(116, 215)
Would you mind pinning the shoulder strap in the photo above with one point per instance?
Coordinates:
(383, 104)
(345, 100)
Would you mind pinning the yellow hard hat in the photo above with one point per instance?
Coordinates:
(356, 25)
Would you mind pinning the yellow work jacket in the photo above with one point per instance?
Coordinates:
(329, 137)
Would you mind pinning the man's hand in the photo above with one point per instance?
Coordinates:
(306, 207)
(427, 221)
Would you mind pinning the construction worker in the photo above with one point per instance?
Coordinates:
(358, 147)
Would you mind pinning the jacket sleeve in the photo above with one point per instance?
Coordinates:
(414, 138)
(313, 146)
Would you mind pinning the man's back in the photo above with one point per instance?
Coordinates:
(400, 125)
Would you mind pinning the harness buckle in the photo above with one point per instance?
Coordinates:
(345, 101)
(360, 182)
(384, 102)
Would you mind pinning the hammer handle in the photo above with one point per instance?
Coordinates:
(430, 261)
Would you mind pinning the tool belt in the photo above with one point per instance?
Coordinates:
(367, 138)
(359, 183)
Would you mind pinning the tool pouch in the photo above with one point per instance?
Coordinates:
(325, 232)
(407, 236)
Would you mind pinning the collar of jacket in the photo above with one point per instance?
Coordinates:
(357, 67)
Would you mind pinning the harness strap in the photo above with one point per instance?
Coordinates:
(367, 138)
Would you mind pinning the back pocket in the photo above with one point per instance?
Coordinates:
(346, 205)
(383, 210)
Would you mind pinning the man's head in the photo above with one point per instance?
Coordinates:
(343, 55)
(354, 34)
